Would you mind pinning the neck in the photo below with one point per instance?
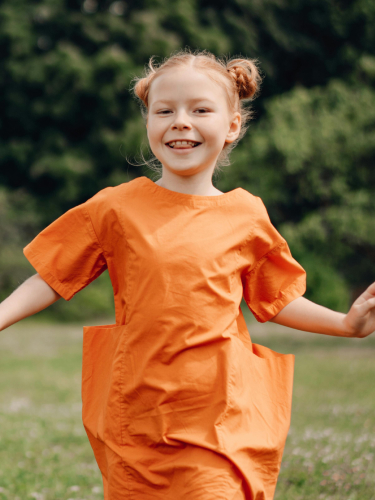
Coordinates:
(196, 184)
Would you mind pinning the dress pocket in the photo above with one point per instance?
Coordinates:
(260, 402)
(274, 373)
(103, 356)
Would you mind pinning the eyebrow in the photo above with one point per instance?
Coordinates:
(197, 99)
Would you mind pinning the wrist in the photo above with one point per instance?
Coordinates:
(347, 329)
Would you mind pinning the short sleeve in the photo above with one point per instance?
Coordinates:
(67, 253)
(274, 277)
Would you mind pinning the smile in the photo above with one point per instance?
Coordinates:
(183, 144)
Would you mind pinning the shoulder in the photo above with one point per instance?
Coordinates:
(254, 205)
(261, 225)
(112, 197)
(104, 210)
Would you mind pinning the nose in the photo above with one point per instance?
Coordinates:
(181, 121)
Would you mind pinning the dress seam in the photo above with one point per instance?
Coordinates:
(227, 409)
(106, 257)
(190, 200)
(128, 283)
(262, 259)
(123, 362)
(243, 245)
(94, 232)
(296, 288)
(231, 373)
(58, 286)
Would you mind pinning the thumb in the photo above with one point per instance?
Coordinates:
(365, 307)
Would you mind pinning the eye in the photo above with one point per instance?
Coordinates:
(202, 110)
(164, 111)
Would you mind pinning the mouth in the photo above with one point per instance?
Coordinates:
(182, 144)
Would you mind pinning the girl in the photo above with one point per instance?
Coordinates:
(178, 403)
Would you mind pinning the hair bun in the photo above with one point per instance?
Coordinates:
(246, 76)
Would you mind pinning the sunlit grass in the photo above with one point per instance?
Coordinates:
(44, 451)
(45, 454)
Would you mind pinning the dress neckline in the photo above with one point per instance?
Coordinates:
(185, 197)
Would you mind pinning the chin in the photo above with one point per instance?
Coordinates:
(183, 171)
(187, 167)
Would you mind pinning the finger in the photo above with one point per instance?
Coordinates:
(366, 307)
(369, 292)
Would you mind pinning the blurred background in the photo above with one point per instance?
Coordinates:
(69, 121)
(68, 125)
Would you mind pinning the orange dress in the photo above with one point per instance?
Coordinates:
(178, 403)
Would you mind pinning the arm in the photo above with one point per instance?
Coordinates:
(29, 298)
(303, 314)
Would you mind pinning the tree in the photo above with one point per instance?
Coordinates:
(311, 160)
(69, 119)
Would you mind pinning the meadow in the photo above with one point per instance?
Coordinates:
(45, 454)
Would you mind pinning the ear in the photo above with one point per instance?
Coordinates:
(234, 128)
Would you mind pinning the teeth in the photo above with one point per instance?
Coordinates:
(182, 143)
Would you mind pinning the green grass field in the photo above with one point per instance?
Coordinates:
(45, 454)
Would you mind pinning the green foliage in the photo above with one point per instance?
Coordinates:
(69, 122)
(310, 158)
(19, 222)
(68, 66)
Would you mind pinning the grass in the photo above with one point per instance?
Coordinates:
(45, 454)
(44, 451)
(330, 449)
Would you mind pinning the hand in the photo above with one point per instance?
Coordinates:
(360, 320)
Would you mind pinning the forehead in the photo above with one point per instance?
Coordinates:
(185, 83)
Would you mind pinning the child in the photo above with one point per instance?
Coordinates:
(178, 403)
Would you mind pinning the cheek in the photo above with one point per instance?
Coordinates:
(214, 131)
(215, 138)
(154, 132)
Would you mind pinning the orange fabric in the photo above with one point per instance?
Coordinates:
(178, 403)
